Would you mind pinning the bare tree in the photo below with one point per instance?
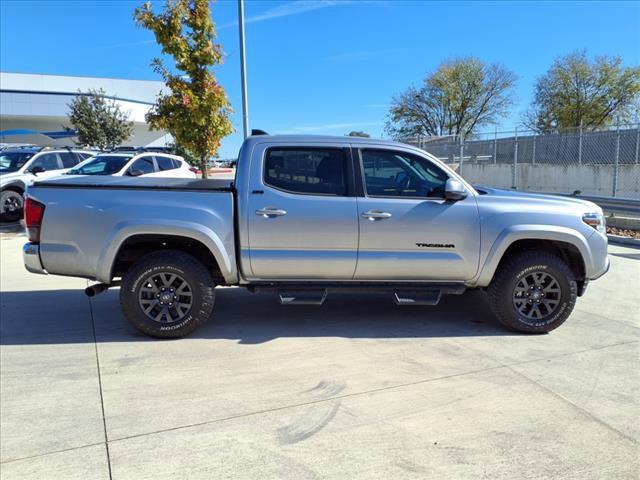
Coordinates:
(461, 96)
(577, 91)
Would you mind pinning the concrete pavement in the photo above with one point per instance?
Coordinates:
(357, 388)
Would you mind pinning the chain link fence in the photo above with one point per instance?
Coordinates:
(603, 162)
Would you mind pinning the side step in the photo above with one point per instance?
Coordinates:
(417, 297)
(315, 293)
(302, 297)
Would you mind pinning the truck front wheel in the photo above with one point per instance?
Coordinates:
(533, 292)
(167, 294)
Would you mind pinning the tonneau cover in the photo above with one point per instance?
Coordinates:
(152, 183)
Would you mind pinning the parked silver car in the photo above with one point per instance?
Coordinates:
(310, 215)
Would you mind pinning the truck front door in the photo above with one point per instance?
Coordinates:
(302, 214)
(408, 231)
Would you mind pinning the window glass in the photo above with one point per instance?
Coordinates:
(311, 171)
(12, 161)
(398, 174)
(68, 159)
(48, 161)
(144, 165)
(165, 163)
(101, 165)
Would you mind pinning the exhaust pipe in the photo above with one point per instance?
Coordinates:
(98, 288)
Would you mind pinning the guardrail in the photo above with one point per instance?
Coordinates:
(627, 207)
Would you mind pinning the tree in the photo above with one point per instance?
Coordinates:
(190, 157)
(196, 109)
(98, 121)
(577, 91)
(355, 133)
(461, 96)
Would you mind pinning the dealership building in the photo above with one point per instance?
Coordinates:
(34, 108)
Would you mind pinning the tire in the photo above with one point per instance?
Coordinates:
(11, 205)
(523, 293)
(159, 283)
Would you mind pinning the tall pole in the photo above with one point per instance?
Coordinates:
(243, 71)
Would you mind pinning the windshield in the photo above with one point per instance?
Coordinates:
(100, 165)
(13, 161)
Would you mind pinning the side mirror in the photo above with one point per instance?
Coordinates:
(37, 169)
(135, 173)
(454, 190)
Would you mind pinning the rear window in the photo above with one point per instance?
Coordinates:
(68, 159)
(166, 163)
(319, 171)
(143, 166)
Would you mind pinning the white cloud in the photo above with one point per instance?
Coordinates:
(294, 8)
(333, 126)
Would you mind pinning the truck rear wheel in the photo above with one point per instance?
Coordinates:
(167, 294)
(533, 292)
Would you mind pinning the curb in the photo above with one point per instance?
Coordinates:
(620, 240)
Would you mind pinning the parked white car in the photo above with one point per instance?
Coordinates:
(135, 164)
(20, 166)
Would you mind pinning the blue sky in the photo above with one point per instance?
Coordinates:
(323, 67)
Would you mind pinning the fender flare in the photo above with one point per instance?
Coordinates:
(512, 234)
(15, 184)
(121, 232)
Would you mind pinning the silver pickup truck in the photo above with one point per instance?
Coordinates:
(306, 216)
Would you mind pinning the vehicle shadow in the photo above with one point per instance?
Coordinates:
(65, 316)
(12, 228)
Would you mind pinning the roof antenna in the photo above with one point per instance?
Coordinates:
(255, 132)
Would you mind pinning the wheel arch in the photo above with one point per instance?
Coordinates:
(129, 242)
(565, 243)
(16, 185)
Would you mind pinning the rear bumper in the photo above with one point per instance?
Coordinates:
(31, 258)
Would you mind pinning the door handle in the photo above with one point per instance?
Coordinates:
(374, 215)
(270, 212)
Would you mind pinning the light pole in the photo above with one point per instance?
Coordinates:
(243, 71)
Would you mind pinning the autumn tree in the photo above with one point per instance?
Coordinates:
(195, 110)
(98, 121)
(578, 91)
(461, 96)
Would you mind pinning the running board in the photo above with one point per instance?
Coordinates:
(424, 297)
(315, 293)
(302, 297)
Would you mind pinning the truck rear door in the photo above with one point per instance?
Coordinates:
(302, 213)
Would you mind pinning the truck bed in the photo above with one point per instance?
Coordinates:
(88, 219)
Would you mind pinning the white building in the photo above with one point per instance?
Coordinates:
(40, 103)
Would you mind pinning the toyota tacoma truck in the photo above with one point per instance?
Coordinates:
(306, 216)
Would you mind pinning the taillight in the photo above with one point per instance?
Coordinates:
(33, 213)
(194, 170)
